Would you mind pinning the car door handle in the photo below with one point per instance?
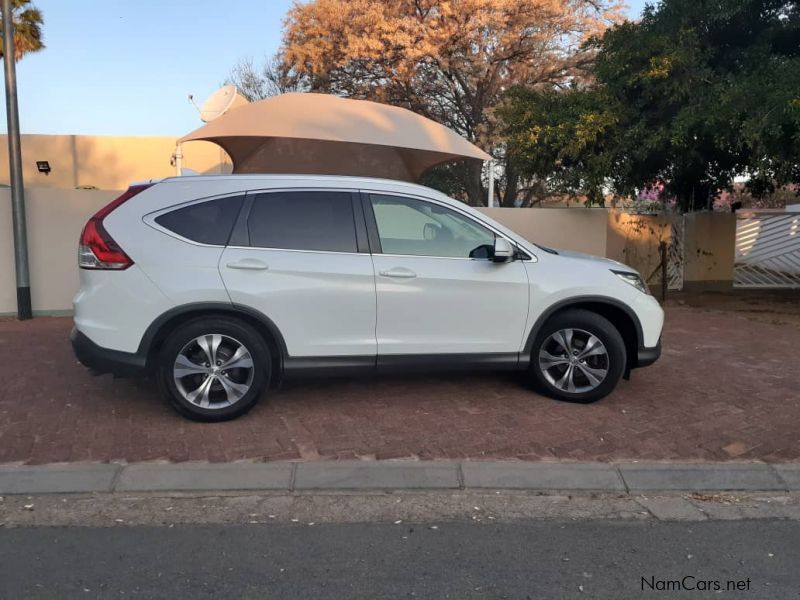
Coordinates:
(248, 264)
(399, 273)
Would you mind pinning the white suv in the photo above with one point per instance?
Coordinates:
(222, 285)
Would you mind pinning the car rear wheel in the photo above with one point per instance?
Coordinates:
(578, 356)
(213, 369)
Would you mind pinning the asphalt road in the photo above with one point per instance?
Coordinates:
(533, 559)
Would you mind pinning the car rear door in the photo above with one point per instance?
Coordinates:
(298, 257)
(438, 291)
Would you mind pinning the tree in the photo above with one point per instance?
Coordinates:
(274, 77)
(693, 95)
(27, 28)
(449, 60)
(562, 140)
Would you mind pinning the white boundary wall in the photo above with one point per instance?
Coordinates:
(56, 217)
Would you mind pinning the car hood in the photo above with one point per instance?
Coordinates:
(597, 260)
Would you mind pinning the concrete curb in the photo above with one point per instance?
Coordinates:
(399, 475)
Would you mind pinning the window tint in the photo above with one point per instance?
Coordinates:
(410, 226)
(303, 221)
(207, 222)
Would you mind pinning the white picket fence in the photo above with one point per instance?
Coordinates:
(767, 250)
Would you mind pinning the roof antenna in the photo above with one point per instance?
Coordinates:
(191, 99)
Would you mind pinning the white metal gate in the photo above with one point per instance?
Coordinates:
(767, 250)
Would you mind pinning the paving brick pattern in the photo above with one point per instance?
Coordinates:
(726, 388)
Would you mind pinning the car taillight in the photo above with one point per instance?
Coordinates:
(97, 249)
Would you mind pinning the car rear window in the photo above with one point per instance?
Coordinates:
(206, 222)
(303, 220)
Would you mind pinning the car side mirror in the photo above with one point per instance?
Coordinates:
(503, 250)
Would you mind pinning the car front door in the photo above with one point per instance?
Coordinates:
(296, 257)
(438, 290)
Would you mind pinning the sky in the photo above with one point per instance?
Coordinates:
(126, 67)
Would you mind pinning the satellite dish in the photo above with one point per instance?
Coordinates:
(220, 102)
(217, 104)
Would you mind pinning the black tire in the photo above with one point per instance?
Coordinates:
(582, 322)
(232, 331)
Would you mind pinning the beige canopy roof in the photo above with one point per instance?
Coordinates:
(318, 133)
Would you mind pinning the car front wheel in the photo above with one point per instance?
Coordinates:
(213, 369)
(578, 356)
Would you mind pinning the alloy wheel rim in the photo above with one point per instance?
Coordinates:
(574, 360)
(213, 371)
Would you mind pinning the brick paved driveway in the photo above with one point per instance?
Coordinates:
(726, 388)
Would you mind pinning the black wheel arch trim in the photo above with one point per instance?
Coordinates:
(576, 301)
(151, 334)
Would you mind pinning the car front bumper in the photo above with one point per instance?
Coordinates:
(647, 356)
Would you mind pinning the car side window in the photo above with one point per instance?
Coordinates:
(205, 222)
(303, 220)
(419, 228)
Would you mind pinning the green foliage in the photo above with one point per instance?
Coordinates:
(563, 137)
(696, 93)
(448, 179)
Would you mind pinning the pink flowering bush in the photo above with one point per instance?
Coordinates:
(650, 200)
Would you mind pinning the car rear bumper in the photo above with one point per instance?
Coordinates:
(102, 360)
(647, 356)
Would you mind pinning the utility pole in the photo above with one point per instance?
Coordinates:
(490, 198)
(24, 310)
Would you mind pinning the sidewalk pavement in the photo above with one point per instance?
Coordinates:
(619, 478)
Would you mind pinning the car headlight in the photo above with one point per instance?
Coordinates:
(634, 279)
